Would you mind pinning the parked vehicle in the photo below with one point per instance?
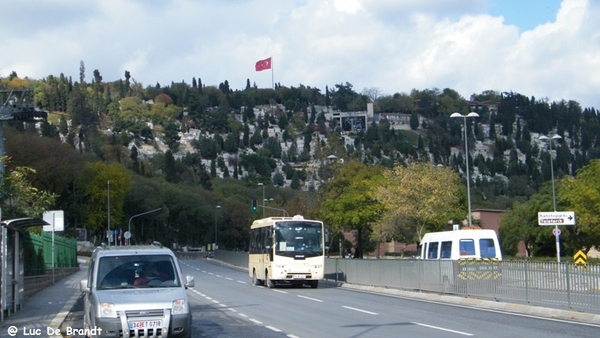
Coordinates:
(136, 291)
(461, 257)
(460, 244)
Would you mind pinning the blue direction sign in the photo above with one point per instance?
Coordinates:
(556, 218)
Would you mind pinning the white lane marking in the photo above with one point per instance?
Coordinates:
(443, 329)
(309, 298)
(359, 310)
(272, 328)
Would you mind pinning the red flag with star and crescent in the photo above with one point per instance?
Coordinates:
(263, 65)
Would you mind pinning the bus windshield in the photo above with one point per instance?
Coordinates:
(298, 238)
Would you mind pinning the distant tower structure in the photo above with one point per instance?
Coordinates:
(17, 104)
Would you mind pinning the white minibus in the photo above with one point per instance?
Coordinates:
(286, 250)
(460, 244)
(460, 260)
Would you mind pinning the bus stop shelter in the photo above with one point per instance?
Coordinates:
(12, 278)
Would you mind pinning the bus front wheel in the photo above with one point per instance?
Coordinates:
(269, 282)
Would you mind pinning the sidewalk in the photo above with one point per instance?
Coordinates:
(43, 313)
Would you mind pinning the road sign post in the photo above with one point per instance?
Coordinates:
(553, 218)
(556, 218)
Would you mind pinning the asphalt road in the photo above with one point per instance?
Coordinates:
(225, 304)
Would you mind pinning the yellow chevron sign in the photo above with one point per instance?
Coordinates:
(580, 258)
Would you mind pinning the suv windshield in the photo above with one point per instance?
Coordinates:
(121, 272)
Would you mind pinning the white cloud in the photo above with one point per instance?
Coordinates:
(395, 46)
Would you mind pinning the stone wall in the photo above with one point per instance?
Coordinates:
(34, 284)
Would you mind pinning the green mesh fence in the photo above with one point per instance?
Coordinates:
(37, 252)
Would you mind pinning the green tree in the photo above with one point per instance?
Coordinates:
(79, 109)
(132, 109)
(520, 225)
(63, 128)
(21, 198)
(582, 195)
(425, 195)
(99, 179)
(169, 167)
(208, 147)
(295, 184)
(278, 179)
(246, 135)
(231, 143)
(171, 135)
(57, 165)
(348, 200)
(343, 96)
(414, 121)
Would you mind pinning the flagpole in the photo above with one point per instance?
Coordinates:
(272, 76)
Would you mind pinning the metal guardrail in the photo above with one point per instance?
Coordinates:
(557, 285)
(547, 284)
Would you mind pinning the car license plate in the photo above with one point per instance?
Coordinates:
(299, 277)
(145, 324)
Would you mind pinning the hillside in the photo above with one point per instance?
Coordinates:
(199, 138)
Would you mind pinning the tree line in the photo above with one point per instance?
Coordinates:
(82, 112)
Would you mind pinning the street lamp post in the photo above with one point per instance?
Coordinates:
(216, 229)
(263, 199)
(108, 233)
(464, 117)
(134, 216)
(557, 235)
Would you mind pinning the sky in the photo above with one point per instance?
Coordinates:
(547, 49)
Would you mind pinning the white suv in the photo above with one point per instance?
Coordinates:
(136, 291)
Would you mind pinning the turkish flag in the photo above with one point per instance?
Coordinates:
(263, 64)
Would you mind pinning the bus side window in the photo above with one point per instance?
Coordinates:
(432, 251)
(467, 247)
(487, 248)
(446, 249)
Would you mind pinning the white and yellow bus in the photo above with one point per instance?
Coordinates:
(286, 250)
